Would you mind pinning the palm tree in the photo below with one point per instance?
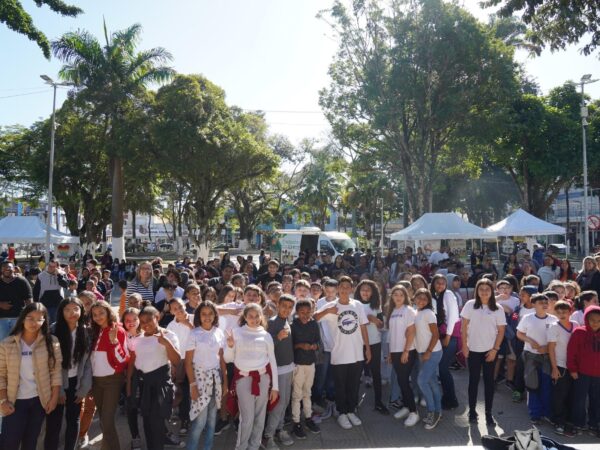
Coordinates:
(113, 78)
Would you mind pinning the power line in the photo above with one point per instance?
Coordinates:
(283, 111)
(22, 95)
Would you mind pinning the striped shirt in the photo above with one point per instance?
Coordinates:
(135, 287)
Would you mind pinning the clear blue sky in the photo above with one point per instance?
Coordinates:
(267, 54)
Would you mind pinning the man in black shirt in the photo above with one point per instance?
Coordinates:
(271, 275)
(15, 293)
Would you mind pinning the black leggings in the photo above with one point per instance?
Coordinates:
(403, 373)
(476, 361)
(375, 369)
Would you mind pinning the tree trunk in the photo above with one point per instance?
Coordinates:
(116, 165)
(150, 227)
(133, 230)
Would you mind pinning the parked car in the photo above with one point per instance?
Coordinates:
(166, 247)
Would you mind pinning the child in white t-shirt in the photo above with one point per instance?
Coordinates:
(559, 335)
(533, 331)
(430, 353)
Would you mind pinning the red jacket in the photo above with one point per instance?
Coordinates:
(117, 355)
(583, 352)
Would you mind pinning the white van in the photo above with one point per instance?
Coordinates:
(287, 244)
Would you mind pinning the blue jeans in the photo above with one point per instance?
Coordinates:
(205, 421)
(6, 324)
(539, 402)
(324, 379)
(22, 428)
(428, 382)
(448, 356)
(52, 314)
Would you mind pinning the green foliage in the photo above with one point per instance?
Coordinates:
(555, 23)
(410, 81)
(17, 19)
(207, 147)
(539, 146)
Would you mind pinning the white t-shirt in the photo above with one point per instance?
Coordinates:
(536, 329)
(372, 330)
(27, 386)
(206, 346)
(347, 337)
(578, 317)
(149, 353)
(182, 331)
(483, 326)
(160, 294)
(424, 318)
(557, 333)
(511, 302)
(400, 320)
(437, 256)
(525, 312)
(230, 321)
(326, 326)
(73, 369)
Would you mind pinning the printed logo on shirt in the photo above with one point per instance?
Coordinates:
(26, 353)
(348, 322)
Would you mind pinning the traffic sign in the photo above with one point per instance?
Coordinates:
(593, 222)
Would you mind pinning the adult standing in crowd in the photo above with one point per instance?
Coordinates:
(50, 288)
(589, 278)
(142, 283)
(15, 294)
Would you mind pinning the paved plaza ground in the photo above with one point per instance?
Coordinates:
(380, 431)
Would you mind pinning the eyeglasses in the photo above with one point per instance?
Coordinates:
(32, 320)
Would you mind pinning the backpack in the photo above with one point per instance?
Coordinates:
(512, 321)
(522, 440)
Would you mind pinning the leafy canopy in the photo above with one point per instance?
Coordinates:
(17, 19)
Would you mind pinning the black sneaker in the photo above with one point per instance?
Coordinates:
(380, 407)
(489, 420)
(313, 427)
(473, 417)
(173, 441)
(221, 426)
(299, 431)
(396, 404)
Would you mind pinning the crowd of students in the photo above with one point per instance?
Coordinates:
(258, 346)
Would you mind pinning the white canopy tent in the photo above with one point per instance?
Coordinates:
(432, 226)
(31, 230)
(521, 223)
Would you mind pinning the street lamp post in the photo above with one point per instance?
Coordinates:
(380, 200)
(586, 79)
(54, 85)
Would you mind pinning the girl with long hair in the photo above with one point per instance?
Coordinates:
(72, 333)
(483, 325)
(403, 355)
(30, 378)
(427, 343)
(205, 366)
(446, 310)
(566, 271)
(255, 381)
(109, 361)
(131, 322)
(368, 293)
(152, 353)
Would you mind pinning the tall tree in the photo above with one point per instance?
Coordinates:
(112, 77)
(409, 79)
(205, 149)
(17, 19)
(555, 23)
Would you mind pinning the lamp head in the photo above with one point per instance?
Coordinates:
(586, 77)
(47, 79)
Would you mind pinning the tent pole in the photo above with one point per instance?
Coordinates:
(498, 249)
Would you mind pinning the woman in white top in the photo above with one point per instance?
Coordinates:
(152, 354)
(205, 366)
(445, 307)
(428, 346)
(482, 331)
(369, 295)
(403, 355)
(250, 348)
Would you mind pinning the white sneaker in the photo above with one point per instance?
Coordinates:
(84, 442)
(402, 413)
(412, 419)
(344, 422)
(423, 403)
(354, 419)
